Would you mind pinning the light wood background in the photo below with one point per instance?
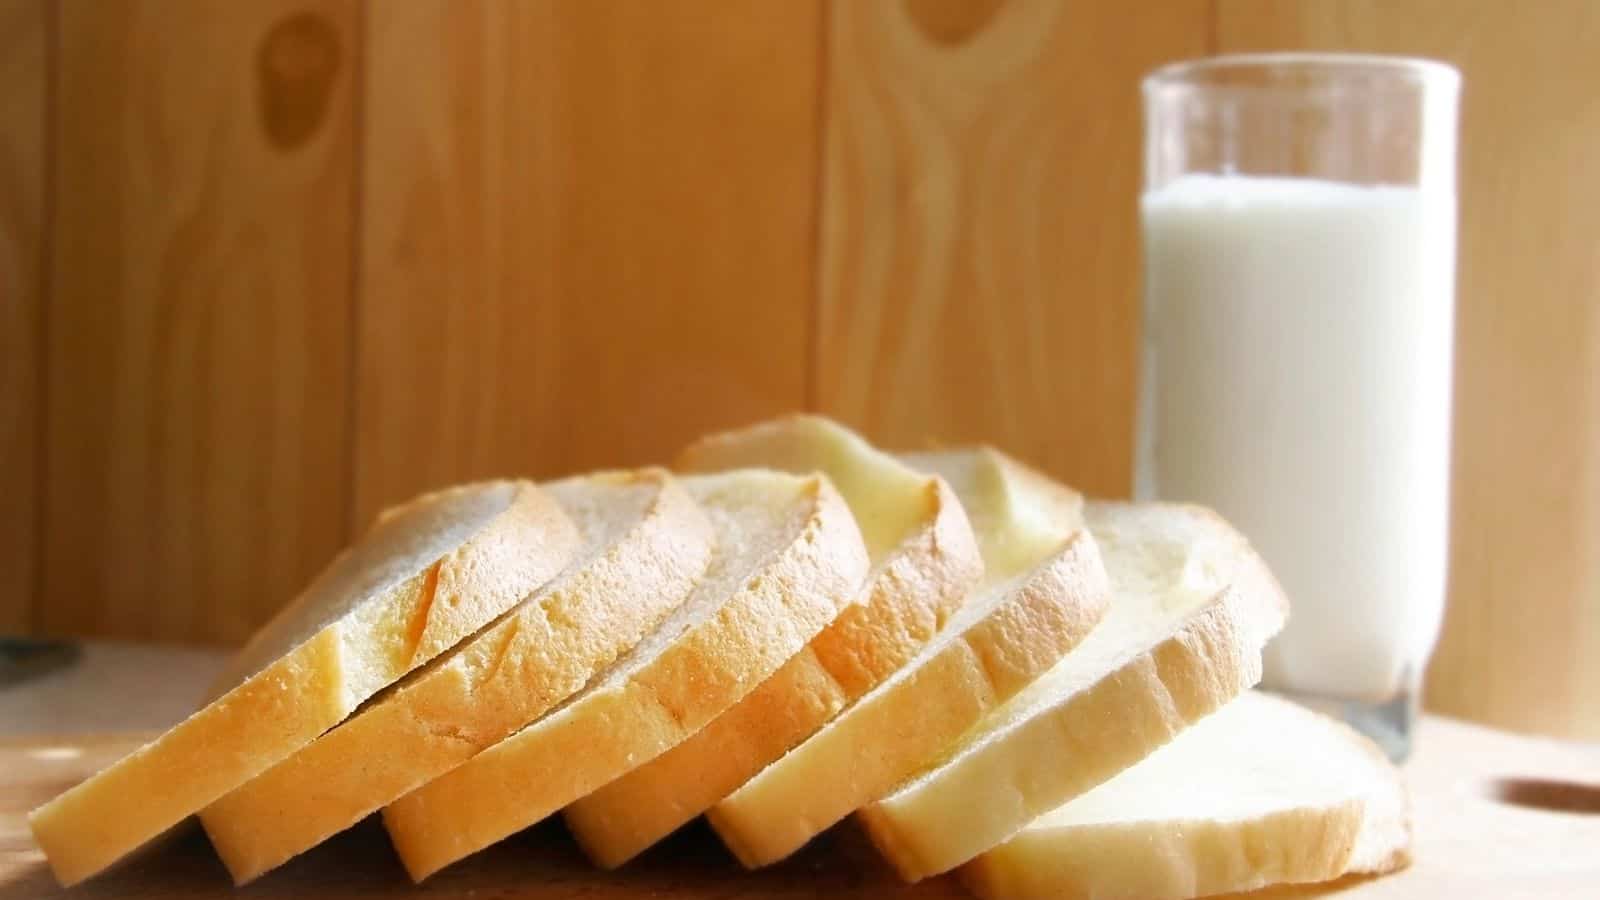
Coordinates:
(270, 265)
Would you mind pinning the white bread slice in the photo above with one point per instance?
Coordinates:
(1260, 792)
(645, 545)
(365, 621)
(788, 555)
(1045, 591)
(924, 561)
(1194, 604)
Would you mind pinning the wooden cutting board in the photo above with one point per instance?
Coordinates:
(1496, 816)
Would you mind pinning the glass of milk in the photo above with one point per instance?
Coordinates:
(1299, 216)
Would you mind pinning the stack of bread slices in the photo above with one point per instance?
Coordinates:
(1046, 696)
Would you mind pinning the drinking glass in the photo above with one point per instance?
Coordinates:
(1299, 222)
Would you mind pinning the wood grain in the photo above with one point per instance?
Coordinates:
(979, 267)
(587, 233)
(583, 233)
(198, 331)
(24, 85)
(1521, 642)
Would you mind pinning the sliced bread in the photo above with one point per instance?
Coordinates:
(924, 561)
(1043, 591)
(426, 575)
(1260, 792)
(788, 556)
(645, 545)
(1193, 607)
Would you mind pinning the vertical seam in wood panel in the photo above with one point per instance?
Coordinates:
(818, 213)
(353, 311)
(1214, 36)
(44, 283)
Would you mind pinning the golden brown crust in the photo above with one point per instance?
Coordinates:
(1314, 833)
(1103, 729)
(1212, 656)
(605, 733)
(622, 818)
(490, 685)
(917, 714)
(293, 699)
(907, 601)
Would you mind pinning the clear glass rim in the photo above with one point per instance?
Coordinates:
(1432, 74)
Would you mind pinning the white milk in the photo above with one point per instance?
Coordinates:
(1297, 379)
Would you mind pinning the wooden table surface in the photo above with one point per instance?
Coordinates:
(1497, 815)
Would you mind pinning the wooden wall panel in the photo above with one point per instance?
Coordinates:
(1521, 644)
(198, 330)
(24, 88)
(587, 234)
(301, 265)
(980, 240)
